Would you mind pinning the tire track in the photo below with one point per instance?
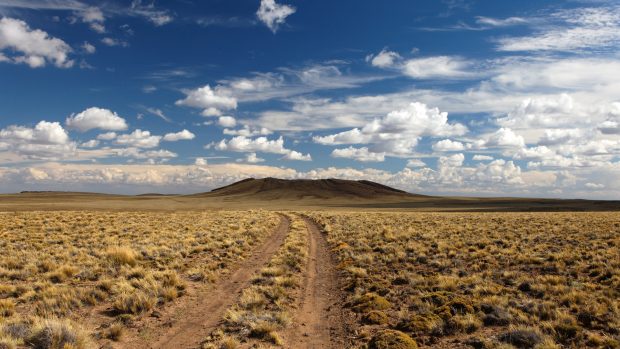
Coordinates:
(199, 316)
(319, 322)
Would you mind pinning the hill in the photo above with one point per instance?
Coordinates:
(297, 189)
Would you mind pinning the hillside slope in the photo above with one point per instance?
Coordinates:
(291, 189)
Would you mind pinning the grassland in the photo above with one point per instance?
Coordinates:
(480, 280)
(60, 271)
(400, 280)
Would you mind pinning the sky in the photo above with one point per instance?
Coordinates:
(453, 97)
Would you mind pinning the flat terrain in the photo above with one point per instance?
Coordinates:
(328, 264)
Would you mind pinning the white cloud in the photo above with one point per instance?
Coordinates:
(562, 136)
(108, 136)
(139, 139)
(212, 101)
(137, 153)
(448, 145)
(595, 185)
(253, 159)
(261, 144)
(114, 42)
(159, 113)
(397, 133)
(47, 140)
(93, 143)
(88, 48)
(502, 138)
(273, 14)
(454, 160)
(94, 17)
(500, 22)
(43, 133)
(297, 156)
(248, 131)
(415, 163)
(358, 154)
(478, 157)
(227, 121)
(384, 59)
(179, 136)
(574, 29)
(31, 46)
(156, 16)
(438, 67)
(96, 118)
(200, 162)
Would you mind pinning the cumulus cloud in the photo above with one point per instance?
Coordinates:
(297, 156)
(252, 158)
(94, 17)
(138, 139)
(542, 112)
(96, 118)
(212, 101)
(448, 145)
(47, 140)
(384, 59)
(358, 154)
(397, 133)
(108, 136)
(33, 47)
(502, 138)
(273, 14)
(43, 133)
(200, 162)
(261, 144)
(179, 136)
(227, 121)
(93, 143)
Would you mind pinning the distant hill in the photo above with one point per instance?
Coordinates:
(291, 189)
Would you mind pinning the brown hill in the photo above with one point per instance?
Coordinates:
(292, 189)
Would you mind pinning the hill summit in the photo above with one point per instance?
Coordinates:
(291, 189)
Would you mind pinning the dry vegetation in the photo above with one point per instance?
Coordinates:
(60, 269)
(266, 307)
(480, 280)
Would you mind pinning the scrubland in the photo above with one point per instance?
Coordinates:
(59, 271)
(480, 280)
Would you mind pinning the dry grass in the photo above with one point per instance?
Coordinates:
(56, 266)
(264, 308)
(482, 280)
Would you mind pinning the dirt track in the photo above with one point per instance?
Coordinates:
(319, 322)
(194, 319)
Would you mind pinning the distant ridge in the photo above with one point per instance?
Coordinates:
(274, 189)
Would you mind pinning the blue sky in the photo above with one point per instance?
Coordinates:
(437, 97)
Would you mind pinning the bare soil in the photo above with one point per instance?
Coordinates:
(320, 321)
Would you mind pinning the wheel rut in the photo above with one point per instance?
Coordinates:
(197, 316)
(320, 320)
